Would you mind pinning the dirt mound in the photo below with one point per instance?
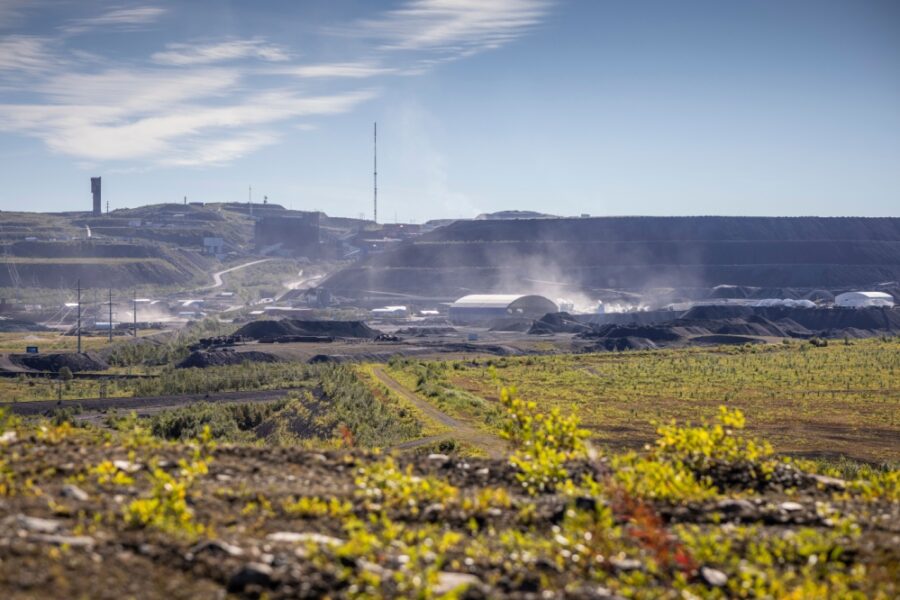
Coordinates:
(53, 363)
(819, 296)
(729, 291)
(258, 330)
(99, 264)
(624, 343)
(561, 322)
(222, 357)
(10, 325)
(794, 329)
(516, 325)
(719, 340)
(644, 317)
(634, 253)
(754, 326)
(654, 333)
(776, 292)
(717, 312)
(875, 320)
(425, 331)
(740, 324)
(298, 339)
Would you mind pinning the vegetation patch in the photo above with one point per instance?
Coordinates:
(814, 402)
(106, 507)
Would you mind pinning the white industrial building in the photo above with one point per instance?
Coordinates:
(481, 308)
(391, 311)
(863, 300)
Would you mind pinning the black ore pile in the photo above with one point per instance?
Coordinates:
(260, 330)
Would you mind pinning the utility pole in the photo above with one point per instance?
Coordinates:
(250, 198)
(134, 308)
(110, 315)
(78, 324)
(375, 171)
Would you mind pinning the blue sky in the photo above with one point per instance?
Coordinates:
(778, 107)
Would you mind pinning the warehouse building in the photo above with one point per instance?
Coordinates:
(863, 300)
(482, 308)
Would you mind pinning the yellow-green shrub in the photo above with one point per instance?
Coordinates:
(543, 442)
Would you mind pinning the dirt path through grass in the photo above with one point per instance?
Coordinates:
(492, 445)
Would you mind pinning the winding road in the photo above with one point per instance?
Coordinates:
(217, 277)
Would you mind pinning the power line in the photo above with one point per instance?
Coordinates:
(110, 316)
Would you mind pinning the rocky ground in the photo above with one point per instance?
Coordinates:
(111, 515)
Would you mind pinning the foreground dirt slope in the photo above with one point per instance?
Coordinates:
(100, 515)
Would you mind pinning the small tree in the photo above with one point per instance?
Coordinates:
(66, 376)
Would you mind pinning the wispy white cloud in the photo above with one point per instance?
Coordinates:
(456, 27)
(26, 54)
(118, 18)
(193, 104)
(220, 151)
(166, 125)
(348, 70)
(201, 54)
(125, 90)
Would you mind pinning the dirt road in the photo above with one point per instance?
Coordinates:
(304, 282)
(217, 277)
(462, 431)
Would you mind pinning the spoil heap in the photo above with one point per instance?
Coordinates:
(54, 363)
(272, 330)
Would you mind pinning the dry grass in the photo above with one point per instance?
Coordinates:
(52, 341)
(838, 400)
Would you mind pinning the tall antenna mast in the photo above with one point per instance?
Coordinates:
(375, 172)
(78, 324)
(110, 314)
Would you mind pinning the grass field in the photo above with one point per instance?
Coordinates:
(47, 341)
(52, 341)
(843, 399)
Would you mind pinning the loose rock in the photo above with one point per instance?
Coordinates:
(790, 506)
(713, 577)
(449, 581)
(216, 547)
(74, 492)
(253, 573)
(625, 564)
(74, 541)
(293, 537)
(126, 466)
(37, 525)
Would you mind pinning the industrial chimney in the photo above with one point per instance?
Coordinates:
(95, 190)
